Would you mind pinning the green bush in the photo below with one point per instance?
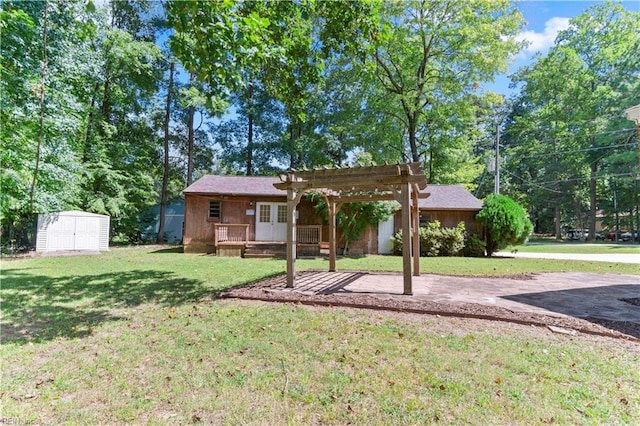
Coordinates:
(474, 246)
(429, 241)
(435, 240)
(505, 222)
(452, 240)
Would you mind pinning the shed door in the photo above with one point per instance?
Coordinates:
(385, 232)
(271, 222)
(87, 233)
(62, 230)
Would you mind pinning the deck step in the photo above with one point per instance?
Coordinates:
(265, 250)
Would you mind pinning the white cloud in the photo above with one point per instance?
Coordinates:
(540, 42)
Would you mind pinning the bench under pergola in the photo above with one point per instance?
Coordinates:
(399, 182)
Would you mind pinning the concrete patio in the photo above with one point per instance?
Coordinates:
(580, 295)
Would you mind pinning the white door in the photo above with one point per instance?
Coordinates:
(385, 232)
(87, 233)
(271, 222)
(62, 230)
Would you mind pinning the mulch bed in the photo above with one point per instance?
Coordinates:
(270, 290)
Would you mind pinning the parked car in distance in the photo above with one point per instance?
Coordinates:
(581, 234)
(629, 236)
(599, 236)
(576, 234)
(612, 235)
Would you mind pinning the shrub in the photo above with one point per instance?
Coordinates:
(435, 241)
(429, 240)
(474, 246)
(452, 240)
(505, 222)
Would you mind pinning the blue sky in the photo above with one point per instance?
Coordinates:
(544, 19)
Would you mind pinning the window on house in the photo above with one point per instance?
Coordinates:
(265, 213)
(214, 209)
(425, 218)
(282, 214)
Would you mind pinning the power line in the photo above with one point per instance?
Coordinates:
(569, 136)
(539, 184)
(534, 184)
(595, 148)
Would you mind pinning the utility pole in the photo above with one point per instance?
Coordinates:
(496, 184)
(633, 114)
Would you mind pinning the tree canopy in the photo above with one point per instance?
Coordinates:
(93, 118)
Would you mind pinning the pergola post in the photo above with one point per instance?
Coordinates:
(293, 198)
(331, 204)
(415, 215)
(406, 238)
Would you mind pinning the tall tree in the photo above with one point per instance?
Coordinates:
(40, 110)
(428, 54)
(165, 173)
(576, 95)
(41, 95)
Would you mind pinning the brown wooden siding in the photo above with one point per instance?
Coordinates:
(199, 228)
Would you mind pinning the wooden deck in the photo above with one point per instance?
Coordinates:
(232, 240)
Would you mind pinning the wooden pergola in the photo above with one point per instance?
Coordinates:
(399, 182)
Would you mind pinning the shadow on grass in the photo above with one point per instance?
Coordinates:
(624, 246)
(38, 307)
(171, 250)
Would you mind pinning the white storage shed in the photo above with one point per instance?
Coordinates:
(72, 230)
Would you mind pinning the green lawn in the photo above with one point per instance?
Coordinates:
(137, 335)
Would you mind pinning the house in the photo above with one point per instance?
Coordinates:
(225, 214)
(448, 204)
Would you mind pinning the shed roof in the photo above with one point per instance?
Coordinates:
(449, 197)
(74, 213)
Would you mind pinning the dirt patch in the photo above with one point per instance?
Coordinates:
(270, 290)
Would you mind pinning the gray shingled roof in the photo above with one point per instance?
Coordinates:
(449, 197)
(445, 197)
(236, 185)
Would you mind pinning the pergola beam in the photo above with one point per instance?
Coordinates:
(350, 183)
(358, 198)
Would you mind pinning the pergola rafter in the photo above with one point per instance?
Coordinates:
(399, 182)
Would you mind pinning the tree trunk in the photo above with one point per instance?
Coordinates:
(292, 152)
(87, 131)
(592, 201)
(431, 164)
(106, 99)
(557, 220)
(250, 130)
(190, 137)
(412, 128)
(165, 176)
(43, 79)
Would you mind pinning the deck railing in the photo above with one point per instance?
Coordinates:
(231, 233)
(239, 233)
(309, 234)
